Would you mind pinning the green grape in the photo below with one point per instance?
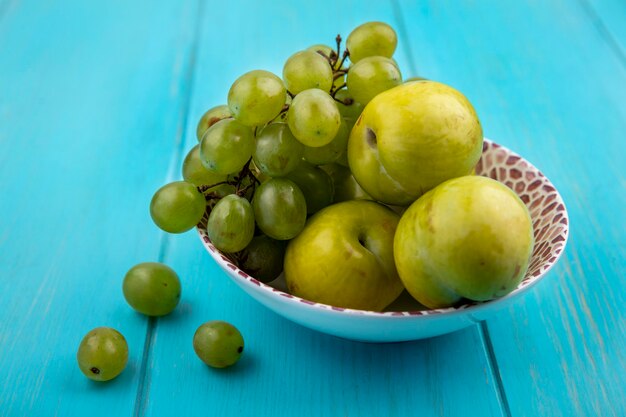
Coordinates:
(329, 52)
(371, 76)
(350, 122)
(279, 209)
(330, 152)
(277, 151)
(218, 344)
(231, 224)
(263, 258)
(324, 49)
(344, 185)
(307, 69)
(152, 288)
(226, 147)
(256, 97)
(350, 108)
(371, 39)
(315, 184)
(313, 117)
(211, 117)
(177, 207)
(343, 160)
(102, 354)
(195, 173)
(282, 116)
(259, 175)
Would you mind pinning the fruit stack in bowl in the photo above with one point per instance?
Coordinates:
(350, 184)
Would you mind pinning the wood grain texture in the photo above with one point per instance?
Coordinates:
(609, 17)
(288, 370)
(90, 100)
(547, 84)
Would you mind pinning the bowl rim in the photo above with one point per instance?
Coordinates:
(244, 278)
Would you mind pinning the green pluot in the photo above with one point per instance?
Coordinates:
(344, 257)
(411, 138)
(470, 237)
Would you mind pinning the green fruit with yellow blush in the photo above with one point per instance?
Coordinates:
(344, 257)
(468, 238)
(411, 138)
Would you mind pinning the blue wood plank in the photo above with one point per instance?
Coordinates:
(288, 370)
(609, 17)
(91, 97)
(546, 83)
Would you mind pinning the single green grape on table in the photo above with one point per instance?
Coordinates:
(218, 344)
(256, 97)
(371, 39)
(231, 224)
(102, 354)
(277, 151)
(152, 288)
(211, 117)
(226, 147)
(307, 69)
(279, 208)
(314, 118)
(177, 207)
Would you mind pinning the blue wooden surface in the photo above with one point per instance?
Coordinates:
(98, 104)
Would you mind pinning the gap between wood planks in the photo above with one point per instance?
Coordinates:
(143, 389)
(493, 367)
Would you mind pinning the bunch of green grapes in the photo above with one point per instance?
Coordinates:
(276, 152)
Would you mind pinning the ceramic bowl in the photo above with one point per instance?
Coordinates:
(405, 319)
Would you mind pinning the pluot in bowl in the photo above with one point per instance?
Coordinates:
(405, 319)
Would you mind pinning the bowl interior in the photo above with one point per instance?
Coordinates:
(547, 210)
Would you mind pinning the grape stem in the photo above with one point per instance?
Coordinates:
(237, 182)
(346, 54)
(328, 58)
(346, 101)
(337, 66)
(338, 40)
(204, 188)
(337, 89)
(339, 74)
